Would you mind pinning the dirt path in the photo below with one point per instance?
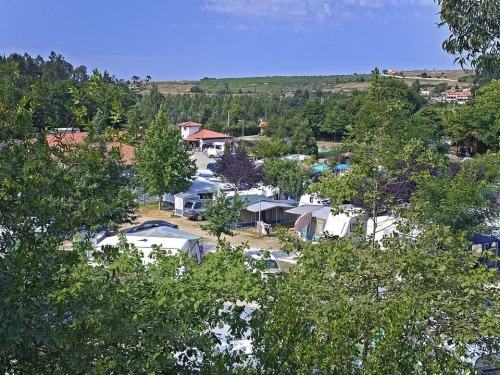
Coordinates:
(249, 235)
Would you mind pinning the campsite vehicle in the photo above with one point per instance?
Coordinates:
(266, 265)
(342, 224)
(194, 210)
(172, 240)
(150, 224)
(212, 167)
(93, 237)
(216, 150)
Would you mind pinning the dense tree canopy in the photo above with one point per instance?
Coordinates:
(417, 302)
(480, 117)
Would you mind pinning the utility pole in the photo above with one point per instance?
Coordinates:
(243, 128)
(228, 122)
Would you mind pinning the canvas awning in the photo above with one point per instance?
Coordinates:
(299, 210)
(266, 205)
(303, 221)
(322, 213)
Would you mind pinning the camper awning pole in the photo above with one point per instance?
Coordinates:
(259, 218)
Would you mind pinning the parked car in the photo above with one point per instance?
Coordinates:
(194, 210)
(150, 224)
(212, 167)
(92, 236)
(266, 264)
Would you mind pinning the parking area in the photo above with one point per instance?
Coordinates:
(201, 160)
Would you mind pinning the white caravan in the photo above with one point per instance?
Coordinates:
(342, 224)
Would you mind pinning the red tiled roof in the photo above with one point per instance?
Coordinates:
(78, 137)
(205, 134)
(68, 137)
(190, 123)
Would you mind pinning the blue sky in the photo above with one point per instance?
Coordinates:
(192, 39)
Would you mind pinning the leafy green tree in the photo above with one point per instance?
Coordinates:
(223, 214)
(269, 148)
(289, 176)
(56, 68)
(335, 123)
(314, 111)
(80, 73)
(472, 39)
(162, 163)
(353, 307)
(480, 116)
(303, 140)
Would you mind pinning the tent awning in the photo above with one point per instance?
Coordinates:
(266, 205)
(322, 213)
(305, 208)
(164, 232)
(303, 221)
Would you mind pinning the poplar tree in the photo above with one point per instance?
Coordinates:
(162, 163)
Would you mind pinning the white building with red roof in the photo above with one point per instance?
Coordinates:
(205, 138)
(188, 128)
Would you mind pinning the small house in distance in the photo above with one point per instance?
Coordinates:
(205, 138)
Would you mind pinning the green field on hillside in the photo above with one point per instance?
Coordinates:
(286, 84)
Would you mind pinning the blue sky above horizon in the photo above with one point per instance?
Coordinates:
(193, 39)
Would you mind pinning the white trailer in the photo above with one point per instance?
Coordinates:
(342, 224)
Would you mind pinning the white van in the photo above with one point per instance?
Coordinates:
(216, 150)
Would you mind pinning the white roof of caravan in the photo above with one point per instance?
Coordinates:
(164, 237)
(200, 185)
(145, 244)
(299, 210)
(322, 213)
(164, 232)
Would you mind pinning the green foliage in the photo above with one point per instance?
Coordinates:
(481, 116)
(473, 39)
(269, 85)
(289, 176)
(269, 148)
(222, 214)
(350, 309)
(439, 88)
(303, 141)
(162, 163)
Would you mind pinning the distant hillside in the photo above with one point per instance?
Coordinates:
(282, 85)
